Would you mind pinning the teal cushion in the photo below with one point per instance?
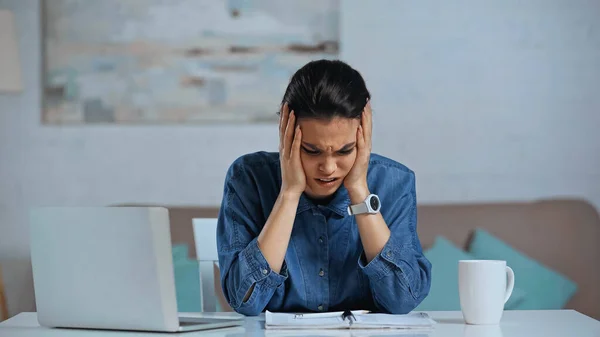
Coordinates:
(180, 252)
(545, 288)
(187, 280)
(443, 294)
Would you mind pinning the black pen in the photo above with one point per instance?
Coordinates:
(348, 313)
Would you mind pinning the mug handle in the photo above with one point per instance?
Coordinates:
(510, 283)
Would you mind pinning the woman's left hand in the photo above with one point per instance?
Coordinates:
(356, 180)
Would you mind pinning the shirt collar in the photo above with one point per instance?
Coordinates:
(339, 204)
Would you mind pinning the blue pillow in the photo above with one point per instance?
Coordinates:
(443, 294)
(545, 288)
(187, 280)
(180, 252)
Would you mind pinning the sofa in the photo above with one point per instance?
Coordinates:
(560, 234)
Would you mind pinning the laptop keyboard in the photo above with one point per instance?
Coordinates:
(188, 323)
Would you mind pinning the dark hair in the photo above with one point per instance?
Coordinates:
(325, 89)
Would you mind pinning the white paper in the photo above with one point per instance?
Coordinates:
(304, 321)
(411, 320)
(334, 320)
(10, 68)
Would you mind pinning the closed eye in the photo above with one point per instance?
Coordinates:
(311, 152)
(346, 152)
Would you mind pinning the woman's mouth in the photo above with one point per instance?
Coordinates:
(326, 182)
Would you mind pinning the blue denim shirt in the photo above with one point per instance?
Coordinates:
(324, 238)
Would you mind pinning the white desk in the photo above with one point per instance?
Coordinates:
(450, 324)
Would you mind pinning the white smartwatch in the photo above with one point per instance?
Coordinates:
(371, 205)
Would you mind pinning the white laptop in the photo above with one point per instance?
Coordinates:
(108, 268)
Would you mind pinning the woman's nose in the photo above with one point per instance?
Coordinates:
(327, 167)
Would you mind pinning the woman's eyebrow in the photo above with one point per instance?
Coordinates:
(314, 147)
(347, 146)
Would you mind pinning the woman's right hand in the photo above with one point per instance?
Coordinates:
(293, 179)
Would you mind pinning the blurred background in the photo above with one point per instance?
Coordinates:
(149, 102)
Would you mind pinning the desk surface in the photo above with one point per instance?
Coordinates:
(546, 323)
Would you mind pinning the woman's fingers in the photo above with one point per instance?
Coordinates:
(367, 123)
(283, 118)
(289, 134)
(360, 138)
(295, 153)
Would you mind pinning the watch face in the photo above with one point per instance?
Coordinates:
(374, 203)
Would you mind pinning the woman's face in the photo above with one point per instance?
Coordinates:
(327, 152)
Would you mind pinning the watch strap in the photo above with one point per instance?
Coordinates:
(359, 208)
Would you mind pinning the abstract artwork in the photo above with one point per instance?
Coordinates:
(10, 66)
(178, 62)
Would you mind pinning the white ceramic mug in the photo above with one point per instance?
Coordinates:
(484, 286)
(482, 330)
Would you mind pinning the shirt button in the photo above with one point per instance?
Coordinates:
(321, 273)
(388, 254)
(264, 271)
(321, 239)
(320, 307)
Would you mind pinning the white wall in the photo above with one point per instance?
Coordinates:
(484, 100)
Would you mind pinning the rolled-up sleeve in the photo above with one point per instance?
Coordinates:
(400, 275)
(242, 264)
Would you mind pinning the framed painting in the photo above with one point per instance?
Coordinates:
(178, 62)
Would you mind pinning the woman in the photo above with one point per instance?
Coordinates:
(323, 225)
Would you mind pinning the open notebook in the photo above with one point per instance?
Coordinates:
(348, 320)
